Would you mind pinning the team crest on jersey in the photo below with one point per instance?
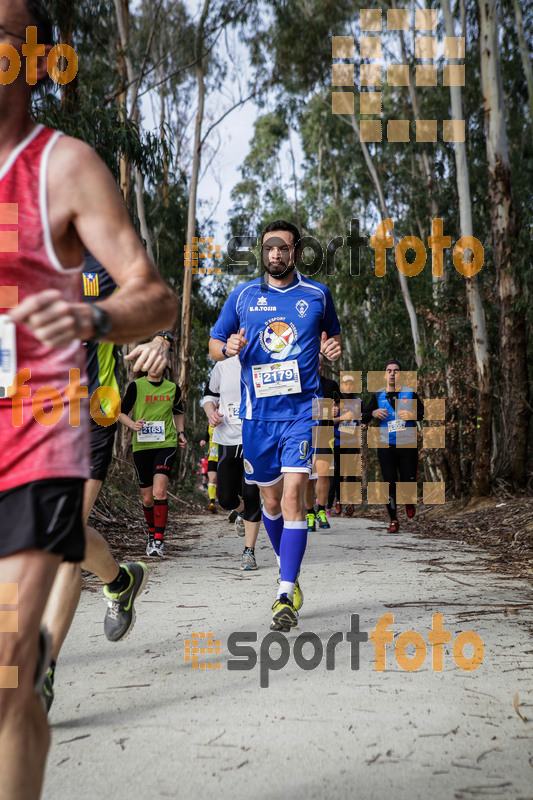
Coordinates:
(90, 284)
(304, 450)
(301, 307)
(248, 467)
(279, 339)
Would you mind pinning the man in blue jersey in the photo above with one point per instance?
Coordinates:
(397, 409)
(278, 324)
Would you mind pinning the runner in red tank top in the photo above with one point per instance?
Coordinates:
(55, 196)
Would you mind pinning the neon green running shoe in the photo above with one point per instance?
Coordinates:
(120, 615)
(311, 523)
(323, 521)
(298, 598)
(285, 615)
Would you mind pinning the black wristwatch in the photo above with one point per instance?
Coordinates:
(102, 323)
(224, 350)
(168, 336)
(182, 433)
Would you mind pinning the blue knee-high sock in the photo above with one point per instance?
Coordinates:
(274, 528)
(292, 549)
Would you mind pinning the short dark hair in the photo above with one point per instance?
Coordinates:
(393, 361)
(40, 17)
(282, 225)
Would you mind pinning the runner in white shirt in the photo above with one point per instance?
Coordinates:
(221, 404)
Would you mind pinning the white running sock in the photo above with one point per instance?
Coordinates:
(286, 587)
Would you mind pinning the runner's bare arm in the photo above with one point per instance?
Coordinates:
(85, 208)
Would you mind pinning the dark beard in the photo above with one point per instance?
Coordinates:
(283, 274)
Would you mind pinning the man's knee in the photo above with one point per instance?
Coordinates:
(271, 505)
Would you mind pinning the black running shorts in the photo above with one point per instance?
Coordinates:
(102, 440)
(44, 515)
(155, 461)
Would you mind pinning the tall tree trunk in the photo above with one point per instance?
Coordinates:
(512, 328)
(406, 294)
(481, 480)
(122, 12)
(69, 92)
(186, 311)
(526, 60)
(319, 204)
(425, 164)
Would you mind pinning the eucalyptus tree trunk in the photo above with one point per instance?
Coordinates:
(122, 12)
(481, 471)
(512, 327)
(186, 310)
(406, 294)
(526, 60)
(122, 103)
(425, 164)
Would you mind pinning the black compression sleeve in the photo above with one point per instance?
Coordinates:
(129, 398)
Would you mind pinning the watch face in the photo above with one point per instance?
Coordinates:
(101, 321)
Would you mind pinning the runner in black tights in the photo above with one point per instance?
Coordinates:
(397, 408)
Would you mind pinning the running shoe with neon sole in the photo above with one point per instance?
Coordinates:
(338, 509)
(311, 523)
(323, 521)
(248, 561)
(285, 615)
(298, 596)
(120, 615)
(410, 510)
(213, 507)
(394, 527)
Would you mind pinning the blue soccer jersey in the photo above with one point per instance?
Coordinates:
(283, 326)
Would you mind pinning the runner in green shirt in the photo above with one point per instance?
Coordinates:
(158, 422)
